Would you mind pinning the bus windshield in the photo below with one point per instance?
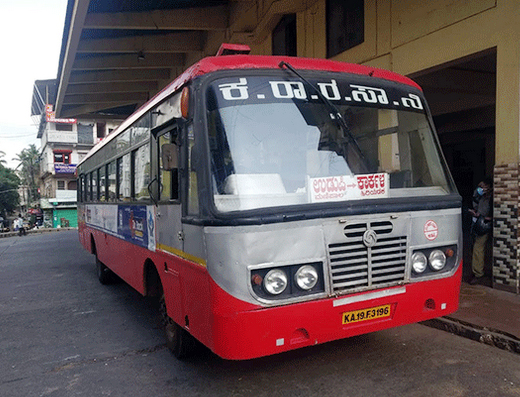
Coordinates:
(274, 143)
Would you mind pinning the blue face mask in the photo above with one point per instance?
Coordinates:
(480, 191)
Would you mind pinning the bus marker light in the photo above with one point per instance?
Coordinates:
(185, 102)
(256, 279)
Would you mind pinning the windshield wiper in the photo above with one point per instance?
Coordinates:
(335, 111)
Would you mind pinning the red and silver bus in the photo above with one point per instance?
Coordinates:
(272, 203)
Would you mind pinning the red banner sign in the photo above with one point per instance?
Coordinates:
(50, 117)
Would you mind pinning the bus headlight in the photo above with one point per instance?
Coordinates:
(419, 262)
(275, 282)
(306, 277)
(437, 260)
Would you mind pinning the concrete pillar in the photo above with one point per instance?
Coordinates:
(506, 237)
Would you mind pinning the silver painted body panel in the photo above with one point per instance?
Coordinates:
(194, 243)
(232, 251)
(169, 226)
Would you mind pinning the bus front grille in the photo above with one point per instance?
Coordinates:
(355, 266)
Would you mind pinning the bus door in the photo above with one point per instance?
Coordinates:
(169, 233)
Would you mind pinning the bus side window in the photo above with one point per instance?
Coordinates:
(102, 183)
(85, 187)
(111, 181)
(95, 184)
(141, 168)
(89, 187)
(79, 190)
(168, 165)
(193, 194)
(124, 178)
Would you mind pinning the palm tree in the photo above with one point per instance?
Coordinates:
(2, 161)
(29, 159)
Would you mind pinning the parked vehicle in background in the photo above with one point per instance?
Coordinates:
(273, 203)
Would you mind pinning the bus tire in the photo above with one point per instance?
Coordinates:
(180, 343)
(104, 274)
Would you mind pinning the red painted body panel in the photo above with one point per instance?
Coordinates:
(238, 330)
(185, 284)
(246, 334)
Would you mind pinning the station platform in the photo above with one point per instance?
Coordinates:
(486, 315)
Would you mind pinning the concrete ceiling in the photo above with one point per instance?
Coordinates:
(462, 85)
(116, 54)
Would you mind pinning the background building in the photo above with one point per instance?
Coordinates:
(64, 142)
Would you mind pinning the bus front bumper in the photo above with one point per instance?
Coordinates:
(247, 334)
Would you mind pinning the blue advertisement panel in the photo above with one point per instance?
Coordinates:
(132, 224)
(60, 168)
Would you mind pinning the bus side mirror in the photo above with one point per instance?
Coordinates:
(169, 156)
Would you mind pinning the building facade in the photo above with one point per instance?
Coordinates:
(64, 143)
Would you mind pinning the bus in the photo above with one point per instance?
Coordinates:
(270, 203)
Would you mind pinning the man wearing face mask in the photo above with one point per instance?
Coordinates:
(481, 226)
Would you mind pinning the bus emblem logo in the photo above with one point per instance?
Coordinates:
(370, 238)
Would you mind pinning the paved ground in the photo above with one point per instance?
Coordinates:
(64, 334)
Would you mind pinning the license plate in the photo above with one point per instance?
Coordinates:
(366, 314)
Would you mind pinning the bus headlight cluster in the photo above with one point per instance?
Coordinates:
(436, 260)
(287, 281)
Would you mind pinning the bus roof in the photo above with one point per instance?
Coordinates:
(236, 62)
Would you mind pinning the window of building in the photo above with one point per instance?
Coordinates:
(85, 133)
(101, 130)
(284, 36)
(62, 157)
(61, 185)
(345, 25)
(72, 185)
(63, 127)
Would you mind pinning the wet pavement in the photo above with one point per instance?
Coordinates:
(485, 314)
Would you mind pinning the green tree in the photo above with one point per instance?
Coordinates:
(2, 161)
(29, 159)
(9, 183)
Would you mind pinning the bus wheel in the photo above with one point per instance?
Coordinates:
(104, 274)
(178, 340)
